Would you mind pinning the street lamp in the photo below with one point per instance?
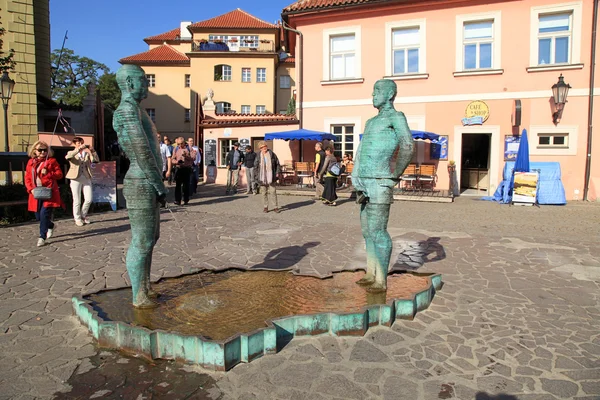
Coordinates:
(560, 90)
(6, 90)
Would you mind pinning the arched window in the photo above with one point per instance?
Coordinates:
(222, 72)
(223, 107)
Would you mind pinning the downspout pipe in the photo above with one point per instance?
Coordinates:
(300, 68)
(588, 159)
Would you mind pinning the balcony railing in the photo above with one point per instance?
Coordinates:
(261, 46)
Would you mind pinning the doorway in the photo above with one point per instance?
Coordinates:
(475, 164)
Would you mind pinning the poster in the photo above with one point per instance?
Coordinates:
(244, 143)
(210, 152)
(439, 150)
(104, 183)
(525, 187)
(511, 147)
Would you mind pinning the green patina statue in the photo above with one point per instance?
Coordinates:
(384, 152)
(143, 187)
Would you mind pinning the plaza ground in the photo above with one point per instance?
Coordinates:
(518, 316)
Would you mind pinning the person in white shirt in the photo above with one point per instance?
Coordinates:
(165, 154)
(80, 175)
(195, 176)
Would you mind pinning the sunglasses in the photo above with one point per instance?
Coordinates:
(42, 150)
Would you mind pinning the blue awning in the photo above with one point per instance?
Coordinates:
(421, 135)
(300, 134)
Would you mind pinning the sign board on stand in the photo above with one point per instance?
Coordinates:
(525, 188)
(104, 183)
(210, 160)
(244, 143)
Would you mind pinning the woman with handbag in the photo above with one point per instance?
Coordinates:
(329, 173)
(41, 180)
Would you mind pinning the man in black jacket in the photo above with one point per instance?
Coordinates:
(249, 158)
(234, 161)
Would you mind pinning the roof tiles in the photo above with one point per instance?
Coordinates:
(164, 54)
(309, 5)
(174, 34)
(234, 19)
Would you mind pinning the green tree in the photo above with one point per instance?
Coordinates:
(7, 62)
(109, 90)
(71, 74)
(291, 108)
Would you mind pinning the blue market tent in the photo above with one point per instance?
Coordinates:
(300, 134)
(550, 187)
(420, 135)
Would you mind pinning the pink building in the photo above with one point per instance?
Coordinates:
(468, 70)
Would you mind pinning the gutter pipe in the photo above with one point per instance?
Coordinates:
(588, 161)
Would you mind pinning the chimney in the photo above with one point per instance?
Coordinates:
(184, 34)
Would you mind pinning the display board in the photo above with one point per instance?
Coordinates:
(525, 187)
(104, 183)
(210, 151)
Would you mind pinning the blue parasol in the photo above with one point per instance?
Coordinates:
(522, 160)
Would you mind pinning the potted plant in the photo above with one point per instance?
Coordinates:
(264, 41)
(233, 40)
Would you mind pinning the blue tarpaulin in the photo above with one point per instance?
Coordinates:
(300, 134)
(550, 187)
(420, 135)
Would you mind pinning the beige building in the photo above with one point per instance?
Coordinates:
(27, 24)
(236, 55)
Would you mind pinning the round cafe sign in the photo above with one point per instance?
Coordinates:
(477, 109)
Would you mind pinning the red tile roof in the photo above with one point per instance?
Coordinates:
(164, 54)
(234, 19)
(225, 120)
(311, 5)
(174, 34)
(290, 60)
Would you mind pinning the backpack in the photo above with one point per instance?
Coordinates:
(335, 169)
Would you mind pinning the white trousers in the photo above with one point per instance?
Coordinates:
(83, 183)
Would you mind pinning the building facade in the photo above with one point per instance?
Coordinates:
(236, 55)
(476, 72)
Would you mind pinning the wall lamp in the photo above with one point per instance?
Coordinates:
(560, 91)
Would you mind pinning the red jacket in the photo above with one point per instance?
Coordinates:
(50, 179)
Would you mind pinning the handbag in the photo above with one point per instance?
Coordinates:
(40, 192)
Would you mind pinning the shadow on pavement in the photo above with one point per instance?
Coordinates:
(501, 396)
(299, 204)
(414, 255)
(285, 257)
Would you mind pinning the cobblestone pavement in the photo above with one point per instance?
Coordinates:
(518, 316)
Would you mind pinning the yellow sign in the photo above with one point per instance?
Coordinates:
(477, 109)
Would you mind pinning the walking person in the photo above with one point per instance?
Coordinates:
(167, 142)
(80, 176)
(234, 161)
(268, 170)
(249, 158)
(183, 159)
(43, 170)
(328, 174)
(165, 155)
(195, 175)
(319, 159)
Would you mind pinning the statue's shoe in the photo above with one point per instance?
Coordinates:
(366, 280)
(152, 294)
(145, 304)
(376, 288)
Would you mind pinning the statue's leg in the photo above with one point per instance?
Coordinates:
(369, 277)
(139, 254)
(378, 216)
(152, 293)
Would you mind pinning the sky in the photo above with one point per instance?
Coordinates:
(109, 30)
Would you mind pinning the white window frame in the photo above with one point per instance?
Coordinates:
(246, 109)
(151, 113)
(329, 123)
(496, 17)
(264, 109)
(223, 74)
(348, 30)
(575, 8)
(151, 80)
(225, 107)
(254, 39)
(285, 82)
(343, 142)
(187, 115)
(188, 80)
(390, 27)
(225, 145)
(246, 78)
(570, 131)
(261, 75)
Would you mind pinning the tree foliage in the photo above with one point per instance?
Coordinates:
(291, 108)
(71, 74)
(7, 62)
(109, 90)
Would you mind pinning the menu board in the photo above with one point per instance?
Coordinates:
(104, 183)
(439, 150)
(525, 187)
(244, 143)
(511, 147)
(210, 152)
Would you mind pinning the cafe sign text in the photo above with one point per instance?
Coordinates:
(477, 113)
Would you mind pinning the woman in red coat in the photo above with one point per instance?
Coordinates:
(42, 170)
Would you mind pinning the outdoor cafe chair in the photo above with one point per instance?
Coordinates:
(303, 171)
(409, 177)
(427, 176)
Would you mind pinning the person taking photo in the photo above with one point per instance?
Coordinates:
(80, 176)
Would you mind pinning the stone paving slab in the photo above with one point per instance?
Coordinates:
(519, 313)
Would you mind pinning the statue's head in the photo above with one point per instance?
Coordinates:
(384, 92)
(132, 81)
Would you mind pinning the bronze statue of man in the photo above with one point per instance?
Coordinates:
(384, 152)
(143, 187)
